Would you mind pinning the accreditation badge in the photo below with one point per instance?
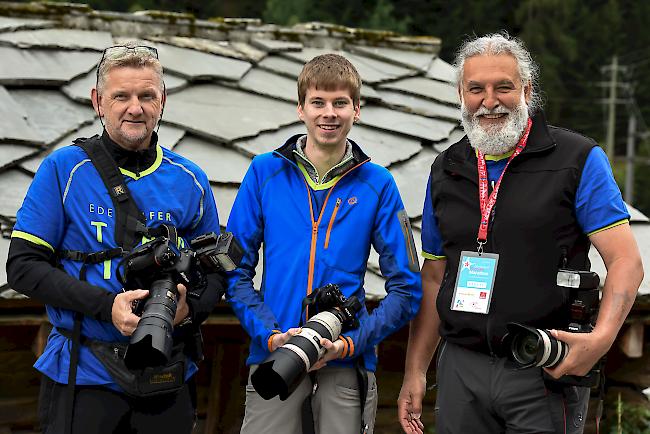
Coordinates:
(475, 282)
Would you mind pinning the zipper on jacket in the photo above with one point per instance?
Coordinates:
(329, 227)
(312, 258)
(314, 229)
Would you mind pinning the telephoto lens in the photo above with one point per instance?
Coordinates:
(529, 347)
(287, 366)
(151, 342)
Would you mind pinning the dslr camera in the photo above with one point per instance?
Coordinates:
(286, 367)
(531, 347)
(159, 265)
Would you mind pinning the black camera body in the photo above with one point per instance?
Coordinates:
(159, 265)
(528, 347)
(286, 367)
(330, 297)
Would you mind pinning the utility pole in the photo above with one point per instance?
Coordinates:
(630, 157)
(611, 122)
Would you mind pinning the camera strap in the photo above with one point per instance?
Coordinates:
(72, 372)
(129, 225)
(129, 220)
(362, 380)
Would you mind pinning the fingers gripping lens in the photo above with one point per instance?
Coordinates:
(282, 371)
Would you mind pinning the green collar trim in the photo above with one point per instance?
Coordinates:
(311, 182)
(149, 170)
(497, 157)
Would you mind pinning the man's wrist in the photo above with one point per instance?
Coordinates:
(604, 336)
(269, 341)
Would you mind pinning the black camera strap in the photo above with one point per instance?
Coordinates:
(72, 372)
(129, 220)
(129, 226)
(362, 380)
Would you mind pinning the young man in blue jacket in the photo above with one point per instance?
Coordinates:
(316, 205)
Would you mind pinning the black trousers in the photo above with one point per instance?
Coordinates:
(477, 394)
(99, 410)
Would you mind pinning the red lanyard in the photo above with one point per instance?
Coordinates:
(488, 203)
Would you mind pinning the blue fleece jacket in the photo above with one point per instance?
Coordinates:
(305, 248)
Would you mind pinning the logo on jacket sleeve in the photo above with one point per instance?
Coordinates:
(352, 200)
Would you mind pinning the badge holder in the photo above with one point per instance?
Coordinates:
(475, 281)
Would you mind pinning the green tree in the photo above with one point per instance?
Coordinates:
(382, 17)
(290, 12)
(355, 13)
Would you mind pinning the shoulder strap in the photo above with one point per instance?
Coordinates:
(129, 220)
(129, 224)
(72, 372)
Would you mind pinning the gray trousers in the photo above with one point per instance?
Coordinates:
(477, 394)
(335, 405)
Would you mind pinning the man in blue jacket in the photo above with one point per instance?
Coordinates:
(316, 205)
(65, 250)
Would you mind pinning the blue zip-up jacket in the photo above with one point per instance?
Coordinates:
(305, 249)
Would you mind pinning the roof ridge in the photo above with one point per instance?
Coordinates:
(156, 23)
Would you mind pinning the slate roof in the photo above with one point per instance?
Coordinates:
(232, 95)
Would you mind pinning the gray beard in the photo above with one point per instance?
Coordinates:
(495, 140)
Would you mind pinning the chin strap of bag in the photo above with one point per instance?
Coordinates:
(129, 227)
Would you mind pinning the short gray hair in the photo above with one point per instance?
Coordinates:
(131, 58)
(500, 43)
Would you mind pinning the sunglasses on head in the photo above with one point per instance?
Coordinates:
(121, 50)
(117, 51)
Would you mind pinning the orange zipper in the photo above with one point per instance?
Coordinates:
(314, 238)
(329, 227)
(314, 231)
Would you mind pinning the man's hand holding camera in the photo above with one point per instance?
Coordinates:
(182, 308)
(126, 321)
(585, 349)
(334, 349)
(122, 312)
(280, 339)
